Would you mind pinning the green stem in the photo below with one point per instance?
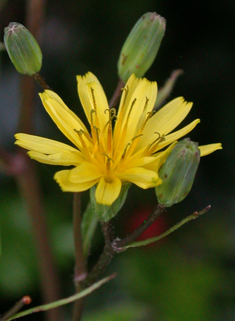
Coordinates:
(166, 90)
(17, 307)
(105, 258)
(59, 303)
(172, 229)
(42, 83)
(119, 244)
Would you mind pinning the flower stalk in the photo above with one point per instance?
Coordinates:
(119, 244)
(105, 258)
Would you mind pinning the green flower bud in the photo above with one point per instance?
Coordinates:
(178, 173)
(105, 212)
(141, 46)
(22, 49)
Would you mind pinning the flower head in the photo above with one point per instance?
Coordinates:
(119, 147)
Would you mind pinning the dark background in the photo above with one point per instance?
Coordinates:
(191, 274)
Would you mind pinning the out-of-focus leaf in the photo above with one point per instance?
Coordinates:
(18, 269)
(169, 280)
(89, 224)
(123, 312)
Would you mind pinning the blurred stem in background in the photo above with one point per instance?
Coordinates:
(80, 271)
(24, 171)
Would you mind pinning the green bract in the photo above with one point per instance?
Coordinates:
(22, 49)
(178, 173)
(105, 212)
(141, 46)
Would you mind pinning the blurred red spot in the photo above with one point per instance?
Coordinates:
(139, 216)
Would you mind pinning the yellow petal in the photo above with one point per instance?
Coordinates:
(49, 151)
(63, 159)
(42, 145)
(140, 176)
(62, 178)
(176, 135)
(86, 85)
(160, 159)
(64, 118)
(108, 191)
(139, 161)
(208, 149)
(141, 90)
(55, 97)
(84, 172)
(166, 119)
(126, 97)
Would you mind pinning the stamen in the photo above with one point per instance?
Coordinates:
(155, 143)
(109, 158)
(150, 114)
(84, 146)
(146, 103)
(112, 113)
(132, 105)
(92, 120)
(97, 133)
(126, 91)
(79, 132)
(93, 98)
(133, 145)
(159, 136)
(136, 137)
(124, 153)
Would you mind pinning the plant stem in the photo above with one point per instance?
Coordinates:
(17, 307)
(59, 303)
(105, 258)
(166, 90)
(111, 247)
(118, 244)
(41, 81)
(117, 93)
(171, 230)
(80, 272)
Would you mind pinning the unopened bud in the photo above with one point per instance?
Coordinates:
(178, 173)
(22, 49)
(141, 46)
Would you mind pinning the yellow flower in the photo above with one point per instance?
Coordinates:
(108, 155)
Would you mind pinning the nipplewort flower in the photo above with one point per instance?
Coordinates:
(120, 147)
